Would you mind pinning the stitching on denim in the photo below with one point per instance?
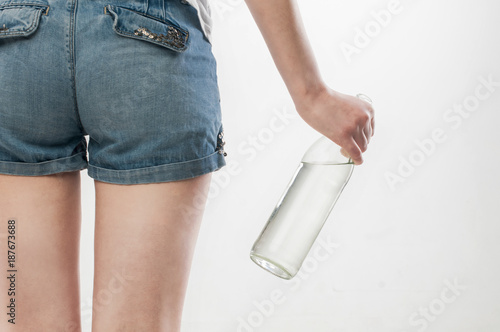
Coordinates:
(151, 168)
(20, 4)
(73, 61)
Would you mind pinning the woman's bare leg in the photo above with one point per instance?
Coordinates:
(47, 214)
(145, 236)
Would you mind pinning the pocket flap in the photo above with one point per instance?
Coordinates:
(19, 19)
(130, 23)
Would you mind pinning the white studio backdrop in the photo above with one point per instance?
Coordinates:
(411, 244)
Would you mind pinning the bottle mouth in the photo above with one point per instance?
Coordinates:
(365, 98)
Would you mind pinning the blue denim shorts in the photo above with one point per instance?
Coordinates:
(136, 77)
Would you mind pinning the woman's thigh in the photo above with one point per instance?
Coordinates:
(40, 220)
(145, 236)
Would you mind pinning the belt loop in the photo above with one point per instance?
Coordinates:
(156, 8)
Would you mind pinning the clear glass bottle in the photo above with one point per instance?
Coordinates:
(303, 209)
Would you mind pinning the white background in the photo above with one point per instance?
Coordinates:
(398, 245)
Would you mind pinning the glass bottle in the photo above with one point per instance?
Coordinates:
(300, 214)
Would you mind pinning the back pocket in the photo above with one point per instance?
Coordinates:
(19, 19)
(130, 23)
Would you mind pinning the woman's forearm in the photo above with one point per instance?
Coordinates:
(281, 26)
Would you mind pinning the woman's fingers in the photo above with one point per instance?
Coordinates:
(353, 150)
(361, 140)
(368, 132)
(344, 153)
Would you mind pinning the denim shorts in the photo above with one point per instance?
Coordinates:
(125, 89)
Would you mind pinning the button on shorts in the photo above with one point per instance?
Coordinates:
(137, 78)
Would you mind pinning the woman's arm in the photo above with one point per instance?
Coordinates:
(346, 120)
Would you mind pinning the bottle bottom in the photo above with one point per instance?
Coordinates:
(271, 267)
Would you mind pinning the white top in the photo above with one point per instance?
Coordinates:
(203, 9)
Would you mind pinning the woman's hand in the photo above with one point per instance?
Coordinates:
(346, 120)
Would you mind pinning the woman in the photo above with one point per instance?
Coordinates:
(139, 78)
